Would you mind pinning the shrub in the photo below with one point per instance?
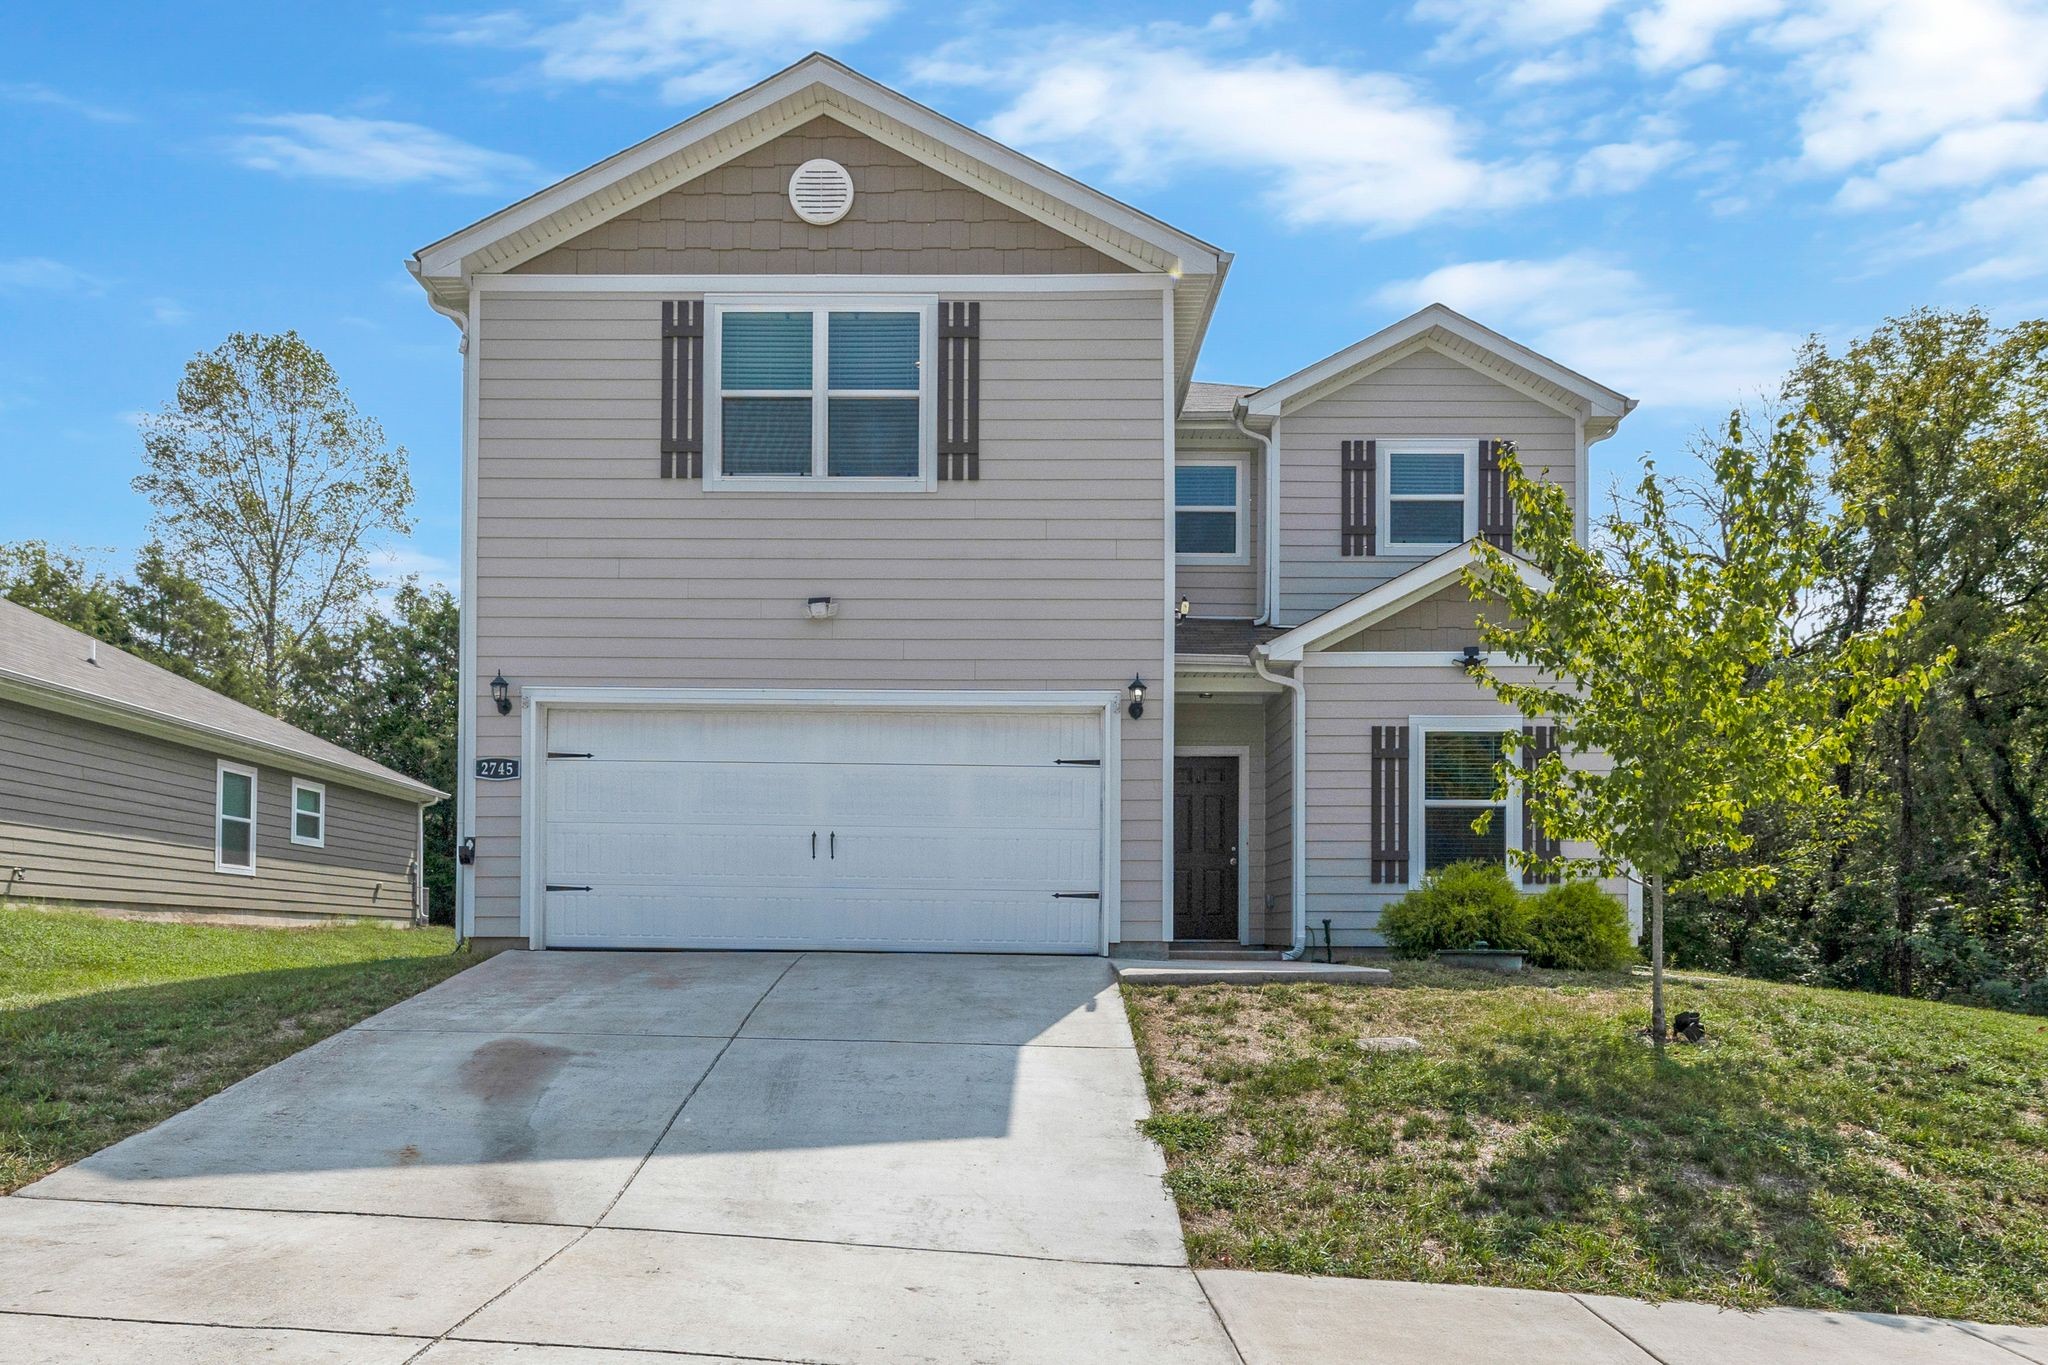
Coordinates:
(1456, 907)
(1578, 926)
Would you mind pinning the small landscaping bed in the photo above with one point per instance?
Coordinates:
(108, 1026)
(1822, 1150)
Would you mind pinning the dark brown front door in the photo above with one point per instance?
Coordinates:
(1205, 847)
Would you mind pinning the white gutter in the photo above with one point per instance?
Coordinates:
(1268, 515)
(1298, 818)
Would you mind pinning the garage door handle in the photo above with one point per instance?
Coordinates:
(553, 886)
(814, 843)
(832, 845)
(1077, 895)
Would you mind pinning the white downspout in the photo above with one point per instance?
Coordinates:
(1269, 519)
(1297, 825)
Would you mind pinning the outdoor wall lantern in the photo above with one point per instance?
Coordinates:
(1180, 612)
(1137, 691)
(1469, 660)
(501, 693)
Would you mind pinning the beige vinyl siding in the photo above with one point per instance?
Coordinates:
(98, 816)
(1046, 574)
(1423, 394)
(1239, 723)
(1228, 589)
(1279, 900)
(1448, 621)
(1343, 706)
(906, 219)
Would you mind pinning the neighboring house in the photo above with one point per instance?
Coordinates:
(124, 786)
(831, 473)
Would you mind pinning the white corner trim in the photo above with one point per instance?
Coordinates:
(221, 769)
(1243, 754)
(1169, 601)
(465, 666)
(1403, 590)
(300, 784)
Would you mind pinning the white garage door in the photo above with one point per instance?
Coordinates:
(718, 827)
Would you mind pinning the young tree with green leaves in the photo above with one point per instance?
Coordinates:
(271, 490)
(1676, 659)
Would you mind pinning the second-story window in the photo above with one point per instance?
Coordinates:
(1429, 505)
(1208, 512)
(822, 394)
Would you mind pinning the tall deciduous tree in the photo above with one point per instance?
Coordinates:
(1678, 660)
(271, 490)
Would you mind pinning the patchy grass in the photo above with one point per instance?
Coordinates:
(1823, 1150)
(108, 1026)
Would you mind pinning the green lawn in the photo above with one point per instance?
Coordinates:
(1824, 1150)
(108, 1026)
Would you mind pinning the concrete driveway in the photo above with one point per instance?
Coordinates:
(781, 1157)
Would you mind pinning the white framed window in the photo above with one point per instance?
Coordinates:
(234, 818)
(1428, 495)
(1451, 785)
(1209, 512)
(309, 813)
(821, 393)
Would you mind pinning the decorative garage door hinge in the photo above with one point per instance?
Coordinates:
(1077, 762)
(556, 886)
(1077, 895)
(568, 753)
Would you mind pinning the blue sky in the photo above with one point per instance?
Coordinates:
(1666, 194)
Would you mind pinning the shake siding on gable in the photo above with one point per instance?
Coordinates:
(906, 219)
(1425, 393)
(1045, 574)
(107, 818)
(1447, 621)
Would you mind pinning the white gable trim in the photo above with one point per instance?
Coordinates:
(1592, 400)
(815, 86)
(1394, 595)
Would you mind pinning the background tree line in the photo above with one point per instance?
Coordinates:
(271, 493)
(1924, 870)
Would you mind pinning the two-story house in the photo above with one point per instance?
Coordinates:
(833, 479)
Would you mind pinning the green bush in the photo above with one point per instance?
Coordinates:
(1578, 926)
(1456, 907)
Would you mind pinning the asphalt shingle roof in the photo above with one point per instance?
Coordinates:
(46, 655)
(1213, 400)
(1203, 635)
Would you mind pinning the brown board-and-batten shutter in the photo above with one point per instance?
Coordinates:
(682, 389)
(1539, 742)
(959, 390)
(1357, 498)
(1496, 508)
(1389, 805)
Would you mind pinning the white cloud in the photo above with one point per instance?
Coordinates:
(1328, 144)
(2005, 225)
(32, 92)
(1962, 157)
(1888, 75)
(693, 46)
(391, 565)
(1606, 322)
(1676, 33)
(42, 273)
(1617, 167)
(1490, 25)
(363, 151)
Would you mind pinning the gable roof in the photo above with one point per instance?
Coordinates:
(1444, 329)
(1396, 594)
(1213, 402)
(820, 85)
(51, 666)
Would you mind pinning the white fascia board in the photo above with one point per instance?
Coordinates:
(667, 286)
(210, 739)
(1403, 590)
(1182, 253)
(1601, 400)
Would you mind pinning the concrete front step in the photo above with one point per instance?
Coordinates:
(1198, 973)
(1219, 952)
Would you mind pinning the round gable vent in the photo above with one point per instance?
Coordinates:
(821, 192)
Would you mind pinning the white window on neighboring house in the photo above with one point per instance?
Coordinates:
(821, 395)
(1209, 512)
(234, 818)
(309, 813)
(1427, 502)
(1455, 781)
